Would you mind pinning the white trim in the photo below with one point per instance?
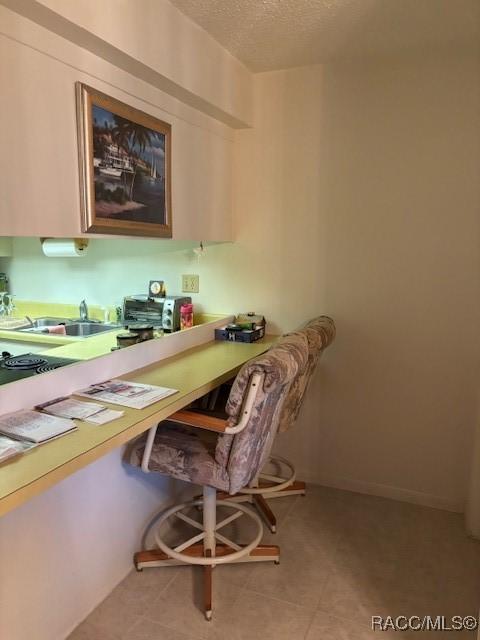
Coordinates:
(472, 510)
(384, 491)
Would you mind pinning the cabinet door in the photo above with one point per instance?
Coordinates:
(40, 172)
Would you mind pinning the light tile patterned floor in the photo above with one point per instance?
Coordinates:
(345, 557)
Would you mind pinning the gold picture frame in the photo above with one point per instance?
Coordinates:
(125, 167)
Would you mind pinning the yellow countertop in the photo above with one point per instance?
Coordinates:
(193, 372)
(39, 338)
(66, 346)
(86, 348)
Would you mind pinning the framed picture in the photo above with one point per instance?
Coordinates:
(125, 160)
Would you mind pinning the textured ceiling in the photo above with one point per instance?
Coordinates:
(276, 34)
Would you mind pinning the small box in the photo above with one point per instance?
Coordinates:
(244, 335)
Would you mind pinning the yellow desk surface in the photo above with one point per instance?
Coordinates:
(193, 372)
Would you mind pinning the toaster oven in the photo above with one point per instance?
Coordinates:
(162, 313)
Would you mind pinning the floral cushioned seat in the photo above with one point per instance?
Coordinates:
(232, 461)
(185, 453)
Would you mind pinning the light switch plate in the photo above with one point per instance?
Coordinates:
(190, 283)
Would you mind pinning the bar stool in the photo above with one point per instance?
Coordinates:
(319, 333)
(178, 448)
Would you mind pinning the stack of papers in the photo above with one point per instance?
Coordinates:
(87, 411)
(34, 427)
(10, 448)
(127, 394)
(23, 430)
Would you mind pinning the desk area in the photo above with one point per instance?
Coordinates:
(193, 372)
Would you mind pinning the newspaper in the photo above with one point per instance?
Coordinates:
(104, 416)
(34, 426)
(127, 394)
(10, 448)
(87, 411)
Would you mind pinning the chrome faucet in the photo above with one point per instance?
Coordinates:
(10, 305)
(83, 309)
(6, 304)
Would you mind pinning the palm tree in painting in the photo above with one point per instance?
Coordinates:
(130, 136)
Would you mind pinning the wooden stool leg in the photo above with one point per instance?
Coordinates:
(156, 558)
(209, 542)
(262, 505)
(207, 587)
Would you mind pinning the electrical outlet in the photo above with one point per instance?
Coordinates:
(190, 283)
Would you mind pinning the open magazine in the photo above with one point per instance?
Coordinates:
(33, 426)
(80, 410)
(127, 394)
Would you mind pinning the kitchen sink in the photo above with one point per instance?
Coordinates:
(85, 329)
(48, 321)
(72, 327)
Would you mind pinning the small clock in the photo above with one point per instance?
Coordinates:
(156, 289)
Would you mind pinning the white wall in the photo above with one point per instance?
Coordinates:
(365, 180)
(63, 551)
(111, 269)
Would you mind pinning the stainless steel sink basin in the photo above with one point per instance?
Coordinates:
(72, 327)
(85, 329)
(48, 321)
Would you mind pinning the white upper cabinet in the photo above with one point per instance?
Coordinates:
(39, 165)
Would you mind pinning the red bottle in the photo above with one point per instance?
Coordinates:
(186, 316)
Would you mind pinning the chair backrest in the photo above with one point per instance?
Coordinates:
(244, 453)
(319, 333)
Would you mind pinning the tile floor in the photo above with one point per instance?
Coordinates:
(345, 557)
